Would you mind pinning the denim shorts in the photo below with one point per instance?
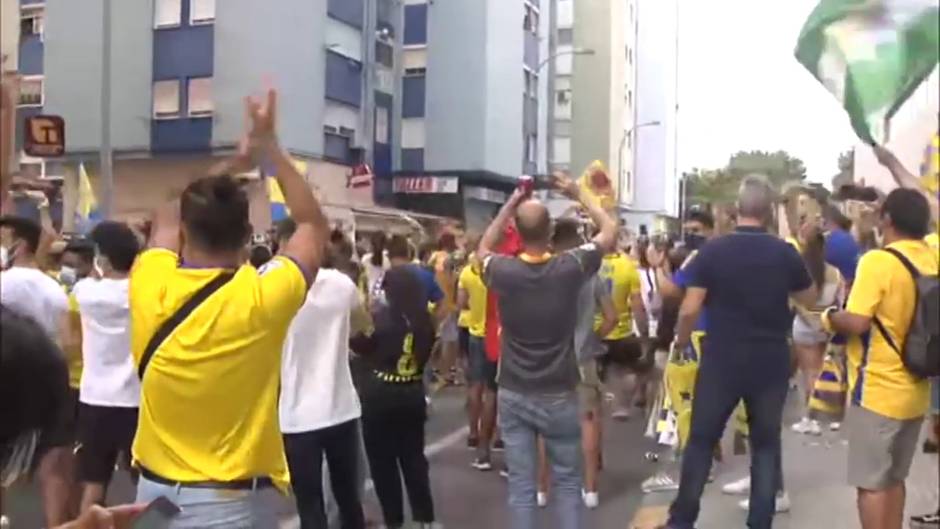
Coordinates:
(480, 369)
(216, 508)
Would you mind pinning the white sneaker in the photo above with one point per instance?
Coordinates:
(541, 499)
(660, 482)
(807, 426)
(621, 414)
(740, 487)
(591, 499)
(835, 426)
(782, 503)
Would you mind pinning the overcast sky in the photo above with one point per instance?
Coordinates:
(740, 88)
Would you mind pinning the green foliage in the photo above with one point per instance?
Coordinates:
(720, 186)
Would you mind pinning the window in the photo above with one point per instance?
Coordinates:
(200, 97)
(563, 96)
(565, 36)
(531, 84)
(31, 23)
(31, 91)
(416, 25)
(201, 12)
(415, 72)
(381, 125)
(384, 54)
(166, 99)
(531, 148)
(531, 20)
(336, 147)
(167, 13)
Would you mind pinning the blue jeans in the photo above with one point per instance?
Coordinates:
(554, 417)
(728, 373)
(215, 508)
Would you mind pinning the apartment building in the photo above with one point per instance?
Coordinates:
(473, 112)
(180, 70)
(654, 186)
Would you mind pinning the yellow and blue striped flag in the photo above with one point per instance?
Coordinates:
(86, 211)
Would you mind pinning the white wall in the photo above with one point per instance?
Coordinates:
(655, 97)
(10, 32)
(911, 130)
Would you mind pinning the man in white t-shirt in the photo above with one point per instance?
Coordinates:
(27, 290)
(319, 406)
(110, 389)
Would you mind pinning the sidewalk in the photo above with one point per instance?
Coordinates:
(815, 476)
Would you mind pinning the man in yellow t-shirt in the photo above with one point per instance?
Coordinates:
(888, 403)
(208, 436)
(481, 371)
(622, 280)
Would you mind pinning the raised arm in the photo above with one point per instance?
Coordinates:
(606, 238)
(496, 228)
(308, 244)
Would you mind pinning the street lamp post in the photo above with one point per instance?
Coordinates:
(623, 142)
(550, 133)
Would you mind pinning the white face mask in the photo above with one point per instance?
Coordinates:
(68, 276)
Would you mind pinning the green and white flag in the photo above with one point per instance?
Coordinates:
(871, 54)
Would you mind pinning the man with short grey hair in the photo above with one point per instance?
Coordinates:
(745, 279)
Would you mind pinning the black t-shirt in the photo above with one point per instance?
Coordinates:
(749, 276)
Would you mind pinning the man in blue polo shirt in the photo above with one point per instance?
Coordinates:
(745, 280)
(842, 251)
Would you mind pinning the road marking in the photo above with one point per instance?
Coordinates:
(438, 446)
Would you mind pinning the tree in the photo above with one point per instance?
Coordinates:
(720, 186)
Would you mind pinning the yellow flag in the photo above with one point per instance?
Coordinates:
(596, 183)
(87, 203)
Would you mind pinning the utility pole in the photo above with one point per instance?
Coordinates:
(550, 120)
(105, 153)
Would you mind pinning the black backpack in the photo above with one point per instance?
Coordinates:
(921, 351)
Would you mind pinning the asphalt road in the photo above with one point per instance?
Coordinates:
(465, 498)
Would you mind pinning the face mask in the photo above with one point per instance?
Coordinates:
(68, 276)
(694, 241)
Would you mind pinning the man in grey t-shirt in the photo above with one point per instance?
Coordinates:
(537, 294)
(593, 299)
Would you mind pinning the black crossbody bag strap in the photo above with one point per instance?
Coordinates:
(178, 317)
(915, 273)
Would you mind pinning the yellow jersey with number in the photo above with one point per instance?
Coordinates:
(621, 279)
(208, 406)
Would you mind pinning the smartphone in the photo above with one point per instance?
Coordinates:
(157, 515)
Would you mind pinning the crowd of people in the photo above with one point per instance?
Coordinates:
(221, 373)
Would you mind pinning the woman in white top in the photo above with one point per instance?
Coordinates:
(374, 263)
(809, 338)
(109, 396)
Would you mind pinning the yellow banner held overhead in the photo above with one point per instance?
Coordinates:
(596, 183)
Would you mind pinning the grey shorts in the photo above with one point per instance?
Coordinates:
(881, 449)
(590, 389)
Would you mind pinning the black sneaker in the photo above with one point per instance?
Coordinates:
(482, 464)
(472, 443)
(930, 447)
(499, 445)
